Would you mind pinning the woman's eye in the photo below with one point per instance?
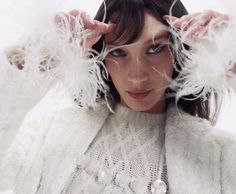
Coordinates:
(155, 49)
(117, 53)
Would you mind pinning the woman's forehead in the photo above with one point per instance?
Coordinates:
(143, 39)
(153, 29)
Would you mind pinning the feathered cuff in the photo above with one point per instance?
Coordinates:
(57, 53)
(207, 64)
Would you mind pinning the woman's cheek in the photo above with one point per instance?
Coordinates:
(160, 64)
(111, 68)
(114, 67)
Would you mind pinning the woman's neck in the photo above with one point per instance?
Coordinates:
(159, 107)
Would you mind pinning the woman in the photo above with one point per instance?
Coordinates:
(145, 146)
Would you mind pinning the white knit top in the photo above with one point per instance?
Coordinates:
(125, 155)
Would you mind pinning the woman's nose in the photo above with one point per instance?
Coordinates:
(137, 73)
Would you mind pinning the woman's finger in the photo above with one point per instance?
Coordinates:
(89, 23)
(170, 18)
(208, 23)
(185, 20)
(97, 33)
(95, 28)
(84, 17)
(102, 27)
(196, 32)
(219, 22)
(198, 25)
(60, 20)
(207, 16)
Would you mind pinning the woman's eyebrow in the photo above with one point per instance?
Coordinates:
(114, 45)
(157, 36)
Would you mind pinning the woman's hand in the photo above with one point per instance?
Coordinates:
(97, 28)
(16, 54)
(198, 25)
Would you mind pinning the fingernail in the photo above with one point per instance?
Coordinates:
(110, 28)
(112, 25)
(166, 17)
(175, 22)
(92, 22)
(171, 19)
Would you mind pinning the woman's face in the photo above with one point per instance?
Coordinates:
(141, 71)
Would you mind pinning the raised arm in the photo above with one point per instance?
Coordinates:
(210, 66)
(30, 70)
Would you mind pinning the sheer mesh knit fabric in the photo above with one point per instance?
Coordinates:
(127, 148)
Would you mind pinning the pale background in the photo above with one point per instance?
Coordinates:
(192, 5)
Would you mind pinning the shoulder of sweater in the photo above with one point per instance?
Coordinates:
(58, 105)
(55, 112)
(176, 115)
(181, 122)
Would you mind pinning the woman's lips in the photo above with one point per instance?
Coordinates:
(139, 95)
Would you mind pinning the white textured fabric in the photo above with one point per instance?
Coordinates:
(129, 144)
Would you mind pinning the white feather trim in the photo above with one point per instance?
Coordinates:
(58, 49)
(207, 66)
(50, 55)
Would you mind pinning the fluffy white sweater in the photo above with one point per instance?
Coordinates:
(129, 145)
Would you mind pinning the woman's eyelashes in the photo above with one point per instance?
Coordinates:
(153, 49)
(117, 53)
(156, 49)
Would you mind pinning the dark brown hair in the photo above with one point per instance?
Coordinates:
(128, 15)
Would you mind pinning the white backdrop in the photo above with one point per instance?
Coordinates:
(192, 5)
